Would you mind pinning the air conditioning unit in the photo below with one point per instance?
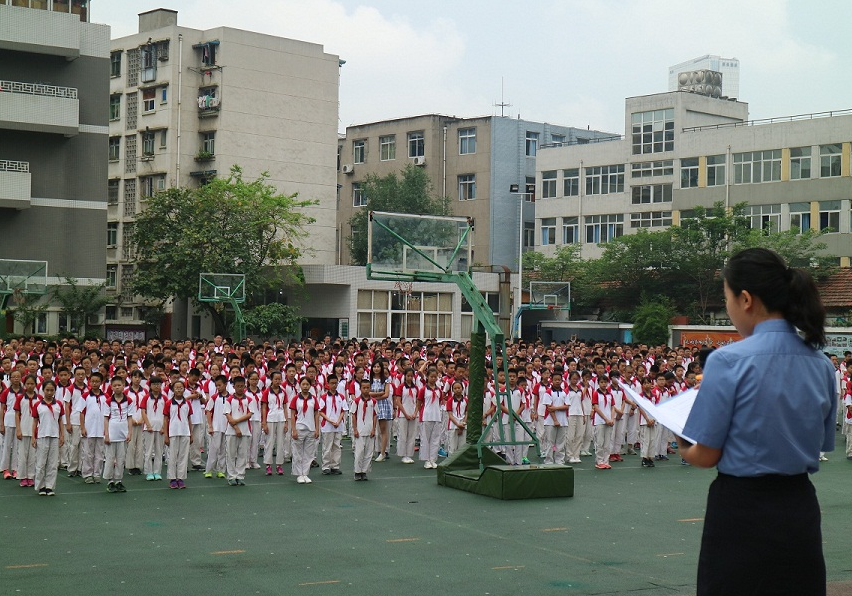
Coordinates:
(348, 169)
(96, 319)
(420, 161)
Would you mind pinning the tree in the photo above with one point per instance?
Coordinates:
(798, 248)
(408, 191)
(27, 309)
(80, 302)
(229, 225)
(651, 320)
(273, 320)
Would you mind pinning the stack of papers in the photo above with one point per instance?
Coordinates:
(672, 413)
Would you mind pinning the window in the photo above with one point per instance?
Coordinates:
(603, 228)
(651, 219)
(548, 184)
(164, 137)
(529, 196)
(416, 144)
(467, 141)
(653, 132)
(829, 215)
(126, 244)
(164, 95)
(111, 277)
(208, 52)
(570, 230)
(548, 231)
(764, 217)
(557, 139)
(130, 197)
(114, 148)
(467, 187)
(112, 234)
(652, 193)
(757, 166)
(387, 148)
(715, 170)
(800, 163)
(358, 197)
(652, 168)
(208, 142)
(115, 106)
(532, 143)
(126, 312)
(359, 151)
(571, 182)
(800, 216)
(149, 62)
(689, 173)
(148, 143)
(112, 191)
(149, 99)
(604, 180)
(115, 64)
(829, 161)
(151, 185)
(112, 310)
(529, 235)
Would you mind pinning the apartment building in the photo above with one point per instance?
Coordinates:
(184, 106)
(473, 161)
(682, 150)
(54, 72)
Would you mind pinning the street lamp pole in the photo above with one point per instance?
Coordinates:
(514, 189)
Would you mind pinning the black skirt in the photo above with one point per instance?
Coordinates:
(762, 535)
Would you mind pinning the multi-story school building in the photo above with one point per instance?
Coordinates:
(184, 106)
(54, 67)
(681, 150)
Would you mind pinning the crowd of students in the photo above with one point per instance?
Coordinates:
(98, 409)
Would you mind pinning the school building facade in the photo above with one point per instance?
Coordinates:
(682, 150)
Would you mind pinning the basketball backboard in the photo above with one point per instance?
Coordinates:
(26, 277)
(402, 245)
(550, 294)
(222, 287)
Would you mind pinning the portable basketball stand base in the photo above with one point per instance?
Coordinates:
(475, 468)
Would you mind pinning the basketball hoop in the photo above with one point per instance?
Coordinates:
(404, 288)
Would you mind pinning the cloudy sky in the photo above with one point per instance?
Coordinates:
(568, 62)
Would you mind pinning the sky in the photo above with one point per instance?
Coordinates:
(565, 62)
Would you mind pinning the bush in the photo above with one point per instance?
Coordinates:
(651, 320)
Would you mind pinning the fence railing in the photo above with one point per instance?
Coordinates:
(38, 89)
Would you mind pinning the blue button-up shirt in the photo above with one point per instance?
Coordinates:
(768, 402)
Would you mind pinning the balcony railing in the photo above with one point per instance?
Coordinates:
(15, 184)
(39, 107)
(7, 165)
(38, 89)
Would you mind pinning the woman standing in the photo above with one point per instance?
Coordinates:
(764, 412)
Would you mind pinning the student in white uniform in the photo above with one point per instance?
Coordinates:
(847, 422)
(273, 418)
(176, 420)
(364, 421)
(406, 408)
(92, 431)
(304, 430)
(24, 431)
(430, 403)
(9, 460)
(333, 409)
(647, 428)
(118, 414)
(64, 392)
(238, 410)
(197, 399)
(588, 434)
(620, 425)
(48, 438)
(254, 393)
(153, 408)
(135, 393)
(577, 419)
(216, 426)
(517, 402)
(457, 411)
(553, 408)
(603, 419)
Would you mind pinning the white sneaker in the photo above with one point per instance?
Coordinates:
(823, 458)
(428, 465)
(381, 457)
(300, 479)
(575, 460)
(307, 479)
(434, 465)
(407, 460)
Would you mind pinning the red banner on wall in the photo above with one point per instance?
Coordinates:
(716, 339)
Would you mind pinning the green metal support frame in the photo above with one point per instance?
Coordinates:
(238, 313)
(485, 323)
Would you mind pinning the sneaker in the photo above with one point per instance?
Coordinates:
(664, 457)
(314, 464)
(326, 472)
(208, 474)
(42, 492)
(173, 484)
(442, 453)
(619, 458)
(240, 482)
(585, 453)
(613, 457)
(269, 470)
(607, 466)
(49, 492)
(358, 477)
(575, 460)
(255, 466)
(220, 475)
(120, 487)
(381, 457)
(14, 474)
(336, 472)
(600, 466)
(683, 462)
(428, 465)
(631, 451)
(181, 484)
(525, 461)
(97, 479)
(111, 487)
(651, 463)
(7, 474)
(232, 482)
(24, 483)
(364, 477)
(823, 458)
(300, 479)
(157, 477)
(407, 460)
(307, 480)
(149, 477)
(644, 463)
(197, 468)
(89, 480)
(279, 470)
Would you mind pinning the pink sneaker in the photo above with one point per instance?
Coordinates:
(269, 470)
(280, 470)
(24, 483)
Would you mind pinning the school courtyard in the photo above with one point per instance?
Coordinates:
(627, 530)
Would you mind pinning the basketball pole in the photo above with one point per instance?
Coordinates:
(476, 389)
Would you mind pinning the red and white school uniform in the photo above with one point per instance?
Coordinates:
(407, 421)
(303, 416)
(457, 408)
(117, 416)
(216, 426)
(176, 418)
(430, 401)
(154, 407)
(255, 398)
(577, 423)
(334, 407)
(237, 444)
(603, 432)
(363, 425)
(26, 452)
(48, 418)
(277, 439)
(9, 459)
(135, 449)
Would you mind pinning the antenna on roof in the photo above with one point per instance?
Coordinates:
(502, 104)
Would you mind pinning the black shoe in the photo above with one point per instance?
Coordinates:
(364, 477)
(119, 487)
(197, 468)
(326, 472)
(314, 464)
(358, 477)
(240, 482)
(111, 488)
(42, 492)
(336, 472)
(49, 492)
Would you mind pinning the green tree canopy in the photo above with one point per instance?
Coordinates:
(408, 191)
(79, 302)
(229, 225)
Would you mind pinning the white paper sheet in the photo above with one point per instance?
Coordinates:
(671, 413)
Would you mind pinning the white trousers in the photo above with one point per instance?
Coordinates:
(236, 455)
(178, 457)
(92, 456)
(254, 443)
(197, 431)
(303, 452)
(9, 459)
(405, 437)
(47, 462)
(603, 443)
(216, 452)
(26, 458)
(430, 441)
(363, 454)
(553, 444)
(647, 439)
(72, 447)
(152, 446)
(115, 456)
(574, 438)
(135, 450)
(331, 450)
(456, 440)
(275, 442)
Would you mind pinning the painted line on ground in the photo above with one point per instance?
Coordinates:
(30, 566)
(509, 567)
(227, 552)
(692, 519)
(330, 581)
(554, 529)
(403, 540)
(670, 554)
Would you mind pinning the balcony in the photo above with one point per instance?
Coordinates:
(15, 184)
(39, 108)
(40, 31)
(208, 105)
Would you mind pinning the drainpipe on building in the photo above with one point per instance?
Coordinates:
(444, 166)
(179, 93)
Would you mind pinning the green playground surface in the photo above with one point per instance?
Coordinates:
(627, 530)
